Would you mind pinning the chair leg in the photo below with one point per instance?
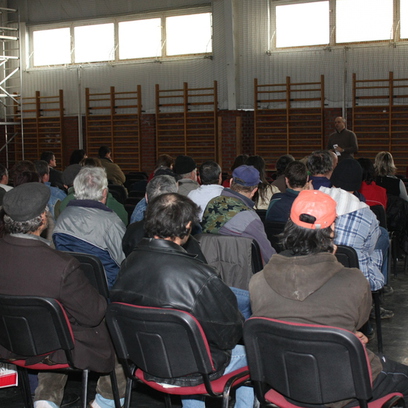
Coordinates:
(128, 395)
(167, 400)
(376, 298)
(85, 375)
(25, 387)
(115, 390)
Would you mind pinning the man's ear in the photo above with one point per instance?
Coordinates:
(254, 191)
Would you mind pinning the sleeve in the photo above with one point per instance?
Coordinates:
(403, 191)
(256, 230)
(80, 299)
(217, 311)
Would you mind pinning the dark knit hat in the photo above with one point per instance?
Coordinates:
(347, 175)
(26, 201)
(184, 165)
(69, 174)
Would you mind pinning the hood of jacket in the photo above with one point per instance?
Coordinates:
(297, 277)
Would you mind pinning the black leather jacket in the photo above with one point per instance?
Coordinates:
(161, 273)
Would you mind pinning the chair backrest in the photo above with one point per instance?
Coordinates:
(162, 342)
(235, 258)
(118, 192)
(380, 213)
(32, 326)
(347, 256)
(93, 268)
(273, 229)
(306, 363)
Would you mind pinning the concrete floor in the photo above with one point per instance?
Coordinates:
(395, 343)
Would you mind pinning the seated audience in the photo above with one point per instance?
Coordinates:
(43, 271)
(210, 177)
(320, 166)
(68, 177)
(4, 178)
(385, 170)
(374, 195)
(160, 273)
(185, 167)
(281, 165)
(232, 212)
(265, 191)
(356, 225)
(306, 284)
(296, 180)
(114, 173)
(88, 225)
(165, 161)
(56, 193)
(55, 175)
(77, 156)
(238, 161)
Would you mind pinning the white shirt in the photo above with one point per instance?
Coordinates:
(203, 194)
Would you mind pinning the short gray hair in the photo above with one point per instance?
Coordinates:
(90, 183)
(159, 185)
(22, 227)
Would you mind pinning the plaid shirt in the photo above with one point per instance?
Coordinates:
(360, 230)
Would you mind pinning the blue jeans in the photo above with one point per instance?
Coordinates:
(383, 243)
(244, 396)
(244, 303)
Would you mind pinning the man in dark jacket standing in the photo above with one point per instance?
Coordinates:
(159, 272)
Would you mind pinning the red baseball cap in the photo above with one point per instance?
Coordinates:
(313, 209)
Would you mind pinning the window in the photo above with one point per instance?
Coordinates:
(404, 18)
(94, 43)
(302, 24)
(164, 34)
(364, 20)
(52, 46)
(140, 38)
(190, 34)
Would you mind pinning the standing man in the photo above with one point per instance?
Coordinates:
(343, 141)
(160, 273)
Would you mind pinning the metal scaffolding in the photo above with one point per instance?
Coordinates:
(10, 79)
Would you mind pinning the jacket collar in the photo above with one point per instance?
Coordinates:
(162, 245)
(88, 204)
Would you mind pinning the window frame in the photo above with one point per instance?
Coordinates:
(116, 20)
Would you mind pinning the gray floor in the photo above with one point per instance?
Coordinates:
(395, 340)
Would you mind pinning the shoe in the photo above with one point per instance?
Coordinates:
(384, 313)
(70, 398)
(388, 290)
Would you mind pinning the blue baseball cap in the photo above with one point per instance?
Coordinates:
(247, 176)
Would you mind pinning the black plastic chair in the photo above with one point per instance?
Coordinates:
(118, 192)
(166, 343)
(309, 365)
(347, 256)
(92, 266)
(33, 327)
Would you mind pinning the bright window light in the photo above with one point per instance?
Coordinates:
(364, 20)
(140, 38)
(189, 34)
(302, 24)
(94, 43)
(51, 47)
(404, 18)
